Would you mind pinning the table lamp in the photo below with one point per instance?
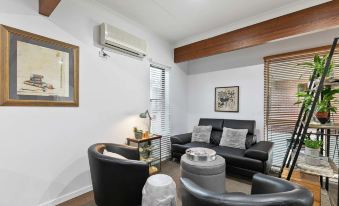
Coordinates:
(144, 116)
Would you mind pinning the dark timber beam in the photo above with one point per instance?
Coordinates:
(46, 7)
(315, 18)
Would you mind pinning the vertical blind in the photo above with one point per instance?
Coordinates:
(159, 107)
(282, 77)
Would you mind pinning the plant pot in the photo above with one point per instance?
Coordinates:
(138, 135)
(323, 117)
(312, 152)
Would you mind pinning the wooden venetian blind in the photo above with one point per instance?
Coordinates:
(282, 77)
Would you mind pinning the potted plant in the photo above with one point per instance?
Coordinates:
(318, 65)
(312, 146)
(137, 133)
(312, 151)
(306, 98)
(324, 106)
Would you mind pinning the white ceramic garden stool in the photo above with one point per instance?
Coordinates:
(159, 190)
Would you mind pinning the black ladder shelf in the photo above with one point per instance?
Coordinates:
(304, 117)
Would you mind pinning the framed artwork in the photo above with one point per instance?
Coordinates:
(227, 99)
(37, 71)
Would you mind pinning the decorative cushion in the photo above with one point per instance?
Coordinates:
(235, 138)
(112, 154)
(201, 134)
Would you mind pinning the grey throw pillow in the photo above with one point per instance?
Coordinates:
(235, 138)
(201, 134)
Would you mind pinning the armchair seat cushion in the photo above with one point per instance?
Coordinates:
(183, 147)
(236, 157)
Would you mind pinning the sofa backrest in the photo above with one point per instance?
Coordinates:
(216, 128)
(240, 124)
(219, 124)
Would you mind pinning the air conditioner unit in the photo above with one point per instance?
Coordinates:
(122, 41)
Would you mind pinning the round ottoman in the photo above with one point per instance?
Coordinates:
(207, 174)
(159, 190)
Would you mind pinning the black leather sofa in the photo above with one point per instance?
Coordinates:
(117, 181)
(257, 157)
(266, 191)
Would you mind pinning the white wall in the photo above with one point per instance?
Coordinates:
(44, 149)
(201, 88)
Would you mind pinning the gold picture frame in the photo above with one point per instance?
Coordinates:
(36, 70)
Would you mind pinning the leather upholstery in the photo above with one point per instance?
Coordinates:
(117, 181)
(256, 158)
(181, 138)
(259, 151)
(240, 124)
(251, 139)
(209, 175)
(266, 191)
(216, 129)
(235, 157)
(183, 147)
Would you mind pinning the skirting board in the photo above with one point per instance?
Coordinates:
(68, 196)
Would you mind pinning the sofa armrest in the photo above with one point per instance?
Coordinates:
(261, 150)
(181, 138)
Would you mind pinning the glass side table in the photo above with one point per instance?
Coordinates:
(149, 151)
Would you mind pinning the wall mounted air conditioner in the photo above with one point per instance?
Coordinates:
(122, 41)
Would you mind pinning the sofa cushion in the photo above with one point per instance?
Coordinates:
(201, 134)
(243, 124)
(217, 125)
(183, 147)
(112, 154)
(235, 138)
(236, 157)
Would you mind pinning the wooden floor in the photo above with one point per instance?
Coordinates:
(82, 200)
(172, 169)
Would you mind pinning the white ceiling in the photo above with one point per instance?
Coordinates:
(184, 21)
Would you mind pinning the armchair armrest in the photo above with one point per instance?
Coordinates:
(261, 150)
(265, 184)
(181, 138)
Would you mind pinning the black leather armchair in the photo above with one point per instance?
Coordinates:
(117, 181)
(266, 191)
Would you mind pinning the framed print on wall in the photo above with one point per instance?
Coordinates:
(227, 99)
(36, 70)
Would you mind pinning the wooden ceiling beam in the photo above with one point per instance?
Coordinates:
(46, 7)
(315, 18)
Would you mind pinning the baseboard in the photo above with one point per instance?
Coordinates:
(68, 196)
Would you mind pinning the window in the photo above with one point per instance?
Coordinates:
(159, 106)
(282, 77)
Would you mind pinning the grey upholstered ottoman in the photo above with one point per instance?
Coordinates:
(207, 174)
